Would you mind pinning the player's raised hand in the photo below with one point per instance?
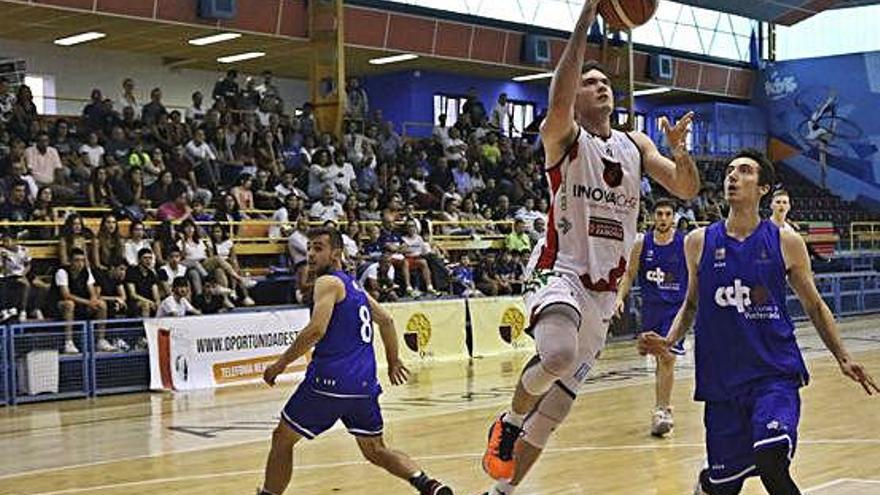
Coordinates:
(652, 343)
(271, 372)
(857, 373)
(676, 134)
(397, 372)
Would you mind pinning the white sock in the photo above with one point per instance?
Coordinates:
(514, 419)
(502, 487)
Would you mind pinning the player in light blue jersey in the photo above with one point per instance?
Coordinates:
(749, 368)
(340, 382)
(657, 260)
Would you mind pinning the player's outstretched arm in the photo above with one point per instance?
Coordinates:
(800, 276)
(626, 282)
(328, 291)
(559, 128)
(679, 176)
(397, 372)
(651, 342)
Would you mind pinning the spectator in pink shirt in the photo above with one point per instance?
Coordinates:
(43, 161)
(178, 208)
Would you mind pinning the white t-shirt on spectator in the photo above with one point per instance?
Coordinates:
(169, 274)
(170, 306)
(529, 216)
(195, 114)
(349, 247)
(94, 154)
(284, 191)
(455, 156)
(416, 245)
(61, 279)
(14, 262)
(194, 250)
(372, 273)
(441, 133)
(297, 247)
(131, 248)
(500, 118)
(324, 212)
(282, 217)
(200, 152)
(224, 249)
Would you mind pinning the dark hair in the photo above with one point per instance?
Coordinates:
(77, 252)
(179, 282)
(664, 202)
(335, 236)
(173, 249)
(144, 251)
(767, 172)
(595, 64)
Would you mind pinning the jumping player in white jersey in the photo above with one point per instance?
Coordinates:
(594, 174)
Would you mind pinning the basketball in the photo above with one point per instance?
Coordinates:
(627, 14)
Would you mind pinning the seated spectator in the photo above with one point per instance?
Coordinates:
(223, 249)
(289, 213)
(73, 236)
(113, 291)
(44, 211)
(177, 304)
(99, 191)
(199, 213)
(297, 252)
(416, 250)
(171, 270)
(142, 285)
(229, 213)
(487, 280)
(17, 207)
(328, 208)
(391, 241)
(287, 186)
(213, 299)
(204, 162)
(351, 243)
(73, 296)
(378, 279)
(107, 246)
(510, 271)
(538, 230)
(15, 267)
(154, 111)
(323, 174)
(177, 208)
(160, 191)
(454, 148)
(44, 162)
(263, 191)
(195, 114)
(463, 278)
(137, 240)
(242, 192)
(518, 240)
(490, 152)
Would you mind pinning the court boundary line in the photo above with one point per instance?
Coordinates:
(840, 481)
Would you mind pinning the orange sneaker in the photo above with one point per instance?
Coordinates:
(498, 461)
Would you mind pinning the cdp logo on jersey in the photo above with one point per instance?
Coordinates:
(741, 296)
(661, 278)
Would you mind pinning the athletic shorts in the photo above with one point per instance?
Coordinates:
(311, 413)
(659, 319)
(766, 416)
(546, 288)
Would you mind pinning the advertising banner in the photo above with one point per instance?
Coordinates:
(427, 329)
(499, 325)
(197, 352)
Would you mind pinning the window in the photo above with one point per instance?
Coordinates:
(450, 105)
(43, 90)
(522, 114)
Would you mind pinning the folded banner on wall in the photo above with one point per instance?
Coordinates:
(498, 325)
(198, 352)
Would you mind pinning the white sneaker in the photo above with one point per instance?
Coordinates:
(662, 422)
(22, 316)
(248, 301)
(38, 315)
(122, 345)
(70, 347)
(104, 346)
(249, 283)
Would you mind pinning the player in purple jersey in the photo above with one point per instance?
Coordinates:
(749, 368)
(657, 260)
(340, 382)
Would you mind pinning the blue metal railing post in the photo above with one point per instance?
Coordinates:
(89, 359)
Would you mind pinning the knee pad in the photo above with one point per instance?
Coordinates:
(550, 413)
(709, 488)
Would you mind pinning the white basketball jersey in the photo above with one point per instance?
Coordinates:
(594, 198)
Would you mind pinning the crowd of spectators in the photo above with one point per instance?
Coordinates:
(243, 153)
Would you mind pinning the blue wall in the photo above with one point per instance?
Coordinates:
(719, 129)
(409, 96)
(848, 132)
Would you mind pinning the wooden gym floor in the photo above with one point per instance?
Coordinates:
(216, 442)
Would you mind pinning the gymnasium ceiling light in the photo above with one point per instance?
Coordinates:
(533, 77)
(79, 38)
(651, 91)
(214, 38)
(229, 59)
(394, 58)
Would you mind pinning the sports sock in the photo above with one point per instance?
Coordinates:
(419, 480)
(514, 419)
(502, 487)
